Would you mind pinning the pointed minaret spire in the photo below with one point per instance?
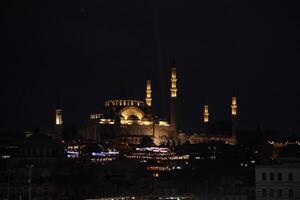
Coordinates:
(148, 98)
(173, 62)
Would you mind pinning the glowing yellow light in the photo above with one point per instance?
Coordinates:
(58, 117)
(129, 111)
(233, 106)
(173, 83)
(164, 123)
(148, 93)
(146, 122)
(106, 121)
(206, 114)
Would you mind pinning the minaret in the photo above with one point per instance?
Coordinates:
(173, 90)
(148, 98)
(234, 117)
(58, 116)
(205, 115)
(58, 127)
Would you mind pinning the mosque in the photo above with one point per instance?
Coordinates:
(128, 121)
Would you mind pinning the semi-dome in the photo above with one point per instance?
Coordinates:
(127, 112)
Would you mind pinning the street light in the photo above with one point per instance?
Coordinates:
(29, 181)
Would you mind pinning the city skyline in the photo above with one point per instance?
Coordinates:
(150, 99)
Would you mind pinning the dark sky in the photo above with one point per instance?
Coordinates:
(91, 51)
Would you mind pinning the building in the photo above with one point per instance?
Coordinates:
(42, 170)
(33, 168)
(280, 180)
(214, 136)
(127, 121)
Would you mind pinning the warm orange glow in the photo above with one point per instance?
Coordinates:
(206, 114)
(106, 121)
(173, 83)
(164, 123)
(148, 98)
(233, 106)
(146, 123)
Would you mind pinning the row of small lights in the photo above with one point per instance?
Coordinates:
(124, 198)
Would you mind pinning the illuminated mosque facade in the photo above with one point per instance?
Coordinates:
(128, 121)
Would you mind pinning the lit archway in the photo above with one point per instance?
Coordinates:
(129, 111)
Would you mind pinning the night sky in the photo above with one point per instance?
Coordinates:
(90, 51)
